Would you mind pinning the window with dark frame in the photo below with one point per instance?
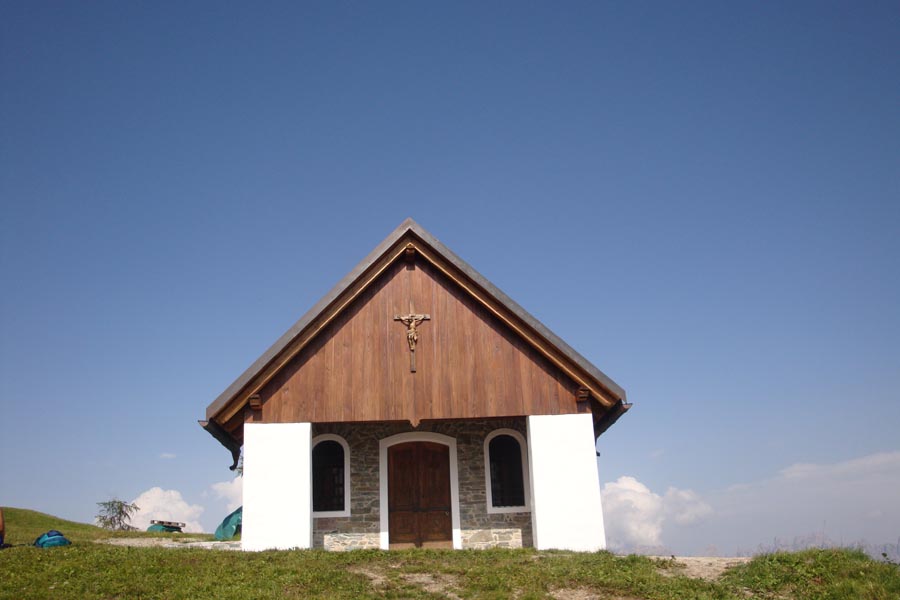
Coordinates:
(507, 483)
(328, 476)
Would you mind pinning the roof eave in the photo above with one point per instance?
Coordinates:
(610, 417)
(224, 438)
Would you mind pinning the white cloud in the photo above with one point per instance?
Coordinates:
(685, 507)
(167, 456)
(230, 491)
(839, 492)
(840, 502)
(842, 495)
(166, 505)
(866, 466)
(635, 516)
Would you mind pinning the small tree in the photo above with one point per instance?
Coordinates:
(115, 514)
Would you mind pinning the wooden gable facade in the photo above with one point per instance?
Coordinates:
(351, 358)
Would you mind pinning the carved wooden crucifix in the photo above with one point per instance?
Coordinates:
(412, 322)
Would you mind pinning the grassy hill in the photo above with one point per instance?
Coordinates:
(23, 526)
(90, 570)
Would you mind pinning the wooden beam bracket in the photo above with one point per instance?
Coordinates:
(583, 400)
(409, 255)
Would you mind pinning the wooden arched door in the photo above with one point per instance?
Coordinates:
(419, 495)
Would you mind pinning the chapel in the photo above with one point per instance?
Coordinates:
(416, 405)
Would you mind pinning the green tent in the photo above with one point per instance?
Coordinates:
(50, 539)
(165, 528)
(231, 525)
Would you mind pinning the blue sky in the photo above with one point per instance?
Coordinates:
(703, 199)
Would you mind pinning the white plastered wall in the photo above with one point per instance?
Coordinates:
(566, 512)
(277, 486)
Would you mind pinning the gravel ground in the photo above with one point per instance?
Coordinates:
(164, 543)
(704, 567)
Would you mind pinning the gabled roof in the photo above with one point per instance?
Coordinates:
(410, 237)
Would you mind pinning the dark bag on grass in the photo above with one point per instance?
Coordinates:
(50, 539)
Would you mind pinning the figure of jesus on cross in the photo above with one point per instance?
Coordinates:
(412, 322)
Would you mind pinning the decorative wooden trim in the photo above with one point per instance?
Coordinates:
(583, 400)
(409, 255)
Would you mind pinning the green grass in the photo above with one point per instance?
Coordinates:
(820, 574)
(90, 570)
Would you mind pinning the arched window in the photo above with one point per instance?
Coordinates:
(506, 472)
(330, 476)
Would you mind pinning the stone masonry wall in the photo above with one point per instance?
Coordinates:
(362, 528)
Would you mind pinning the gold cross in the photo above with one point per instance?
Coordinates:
(412, 322)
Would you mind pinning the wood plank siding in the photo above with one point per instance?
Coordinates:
(478, 353)
(469, 364)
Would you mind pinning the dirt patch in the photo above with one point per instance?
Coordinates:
(586, 594)
(709, 568)
(378, 579)
(437, 583)
(433, 584)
